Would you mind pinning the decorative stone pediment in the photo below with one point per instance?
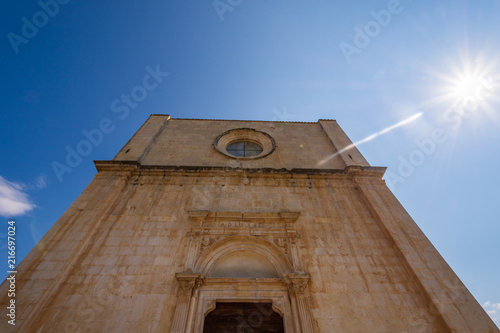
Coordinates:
(209, 228)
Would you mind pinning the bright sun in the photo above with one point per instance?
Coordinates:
(467, 85)
(472, 82)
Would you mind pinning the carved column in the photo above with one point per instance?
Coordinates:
(301, 301)
(188, 286)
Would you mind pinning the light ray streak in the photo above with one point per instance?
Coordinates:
(373, 136)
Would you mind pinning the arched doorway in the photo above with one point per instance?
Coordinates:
(243, 318)
(242, 269)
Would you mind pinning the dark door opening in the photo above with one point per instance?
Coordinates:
(243, 318)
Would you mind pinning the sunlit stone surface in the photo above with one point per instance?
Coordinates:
(174, 226)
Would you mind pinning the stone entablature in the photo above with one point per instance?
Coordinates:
(193, 175)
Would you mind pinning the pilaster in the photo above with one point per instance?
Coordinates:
(301, 301)
(187, 296)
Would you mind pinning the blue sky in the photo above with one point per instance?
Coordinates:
(368, 64)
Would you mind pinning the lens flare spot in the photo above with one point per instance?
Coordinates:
(467, 85)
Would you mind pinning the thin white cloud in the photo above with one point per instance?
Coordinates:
(41, 182)
(493, 309)
(13, 200)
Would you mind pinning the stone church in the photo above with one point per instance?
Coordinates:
(239, 226)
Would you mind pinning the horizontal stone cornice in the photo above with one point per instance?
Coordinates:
(135, 168)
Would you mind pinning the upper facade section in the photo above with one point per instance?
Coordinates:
(165, 141)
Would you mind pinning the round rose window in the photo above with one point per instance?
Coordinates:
(245, 143)
(244, 149)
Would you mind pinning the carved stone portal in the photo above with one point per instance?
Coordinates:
(220, 239)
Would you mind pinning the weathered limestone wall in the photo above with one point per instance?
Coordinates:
(47, 265)
(124, 279)
(109, 264)
(185, 142)
(446, 295)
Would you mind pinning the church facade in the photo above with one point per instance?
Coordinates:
(239, 226)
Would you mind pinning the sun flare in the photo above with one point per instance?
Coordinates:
(470, 82)
(467, 85)
(463, 88)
